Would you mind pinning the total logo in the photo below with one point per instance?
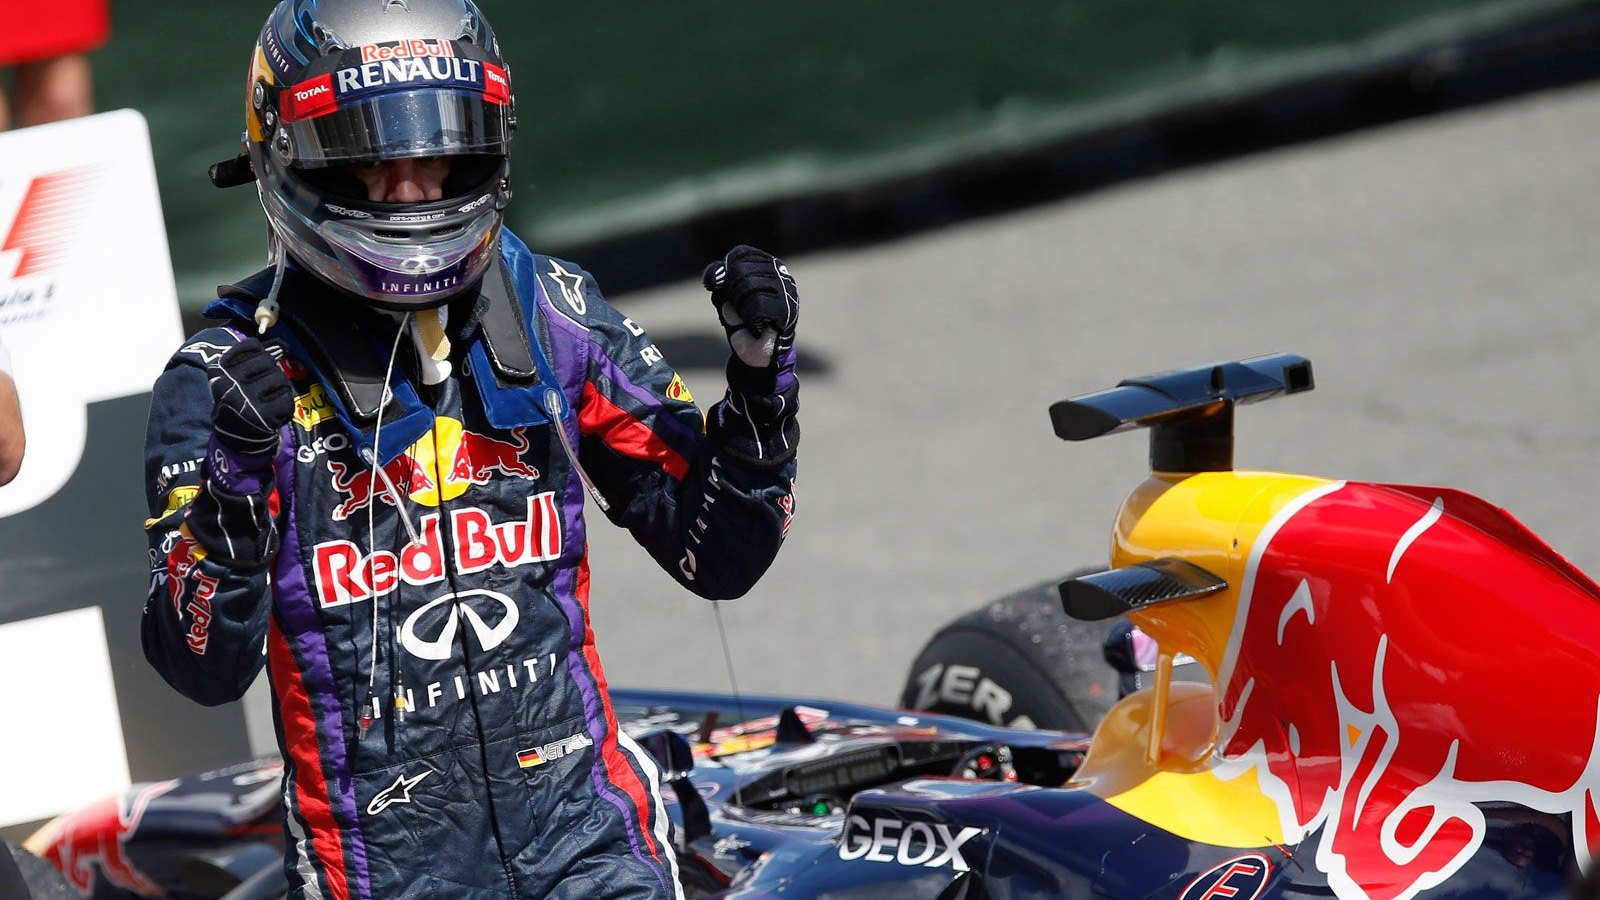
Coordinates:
(316, 90)
(440, 466)
(928, 844)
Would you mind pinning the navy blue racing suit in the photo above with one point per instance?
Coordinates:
(439, 702)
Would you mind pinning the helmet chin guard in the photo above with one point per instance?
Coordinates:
(342, 83)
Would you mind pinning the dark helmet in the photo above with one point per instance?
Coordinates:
(336, 83)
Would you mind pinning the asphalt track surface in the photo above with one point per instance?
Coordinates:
(1441, 273)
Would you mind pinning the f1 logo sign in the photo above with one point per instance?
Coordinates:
(1240, 878)
(40, 231)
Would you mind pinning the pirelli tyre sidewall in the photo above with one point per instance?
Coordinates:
(42, 880)
(1018, 661)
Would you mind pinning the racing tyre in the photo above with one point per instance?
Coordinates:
(1018, 661)
(40, 878)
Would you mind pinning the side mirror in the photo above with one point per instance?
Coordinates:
(671, 751)
(1122, 655)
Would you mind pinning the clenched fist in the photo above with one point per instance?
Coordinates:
(252, 399)
(758, 305)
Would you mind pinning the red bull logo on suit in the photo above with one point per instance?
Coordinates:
(344, 574)
(440, 466)
(1369, 683)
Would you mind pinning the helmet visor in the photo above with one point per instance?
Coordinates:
(408, 269)
(398, 126)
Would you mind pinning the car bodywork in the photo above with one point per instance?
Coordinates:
(748, 780)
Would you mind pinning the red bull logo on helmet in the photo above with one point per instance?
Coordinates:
(1377, 681)
(440, 466)
(404, 49)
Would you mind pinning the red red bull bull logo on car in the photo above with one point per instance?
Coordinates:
(1369, 684)
(88, 845)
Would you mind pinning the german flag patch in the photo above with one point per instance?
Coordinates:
(538, 756)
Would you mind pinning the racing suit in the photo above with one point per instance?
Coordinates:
(444, 720)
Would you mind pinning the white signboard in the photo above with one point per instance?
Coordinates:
(87, 302)
(89, 312)
(64, 748)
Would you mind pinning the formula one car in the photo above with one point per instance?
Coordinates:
(1366, 726)
(781, 774)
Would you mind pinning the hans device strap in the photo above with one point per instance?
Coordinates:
(504, 329)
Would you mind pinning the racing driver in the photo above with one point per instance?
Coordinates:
(371, 478)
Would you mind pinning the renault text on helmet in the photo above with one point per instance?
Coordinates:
(341, 83)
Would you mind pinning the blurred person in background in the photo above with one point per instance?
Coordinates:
(382, 499)
(44, 46)
(12, 439)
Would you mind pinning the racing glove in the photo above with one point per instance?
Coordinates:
(251, 401)
(758, 304)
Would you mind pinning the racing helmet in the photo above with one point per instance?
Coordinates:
(342, 83)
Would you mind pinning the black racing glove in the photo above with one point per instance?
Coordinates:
(758, 304)
(252, 398)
